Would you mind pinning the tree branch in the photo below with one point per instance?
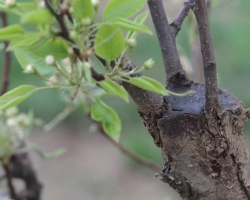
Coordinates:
(8, 176)
(6, 59)
(146, 163)
(176, 24)
(209, 65)
(166, 38)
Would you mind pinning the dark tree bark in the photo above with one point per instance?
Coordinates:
(200, 135)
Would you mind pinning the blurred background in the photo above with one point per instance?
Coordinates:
(95, 170)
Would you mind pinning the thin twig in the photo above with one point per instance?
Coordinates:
(209, 65)
(176, 24)
(6, 59)
(166, 38)
(146, 163)
(9, 181)
(64, 33)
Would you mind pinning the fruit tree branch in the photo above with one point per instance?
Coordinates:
(166, 38)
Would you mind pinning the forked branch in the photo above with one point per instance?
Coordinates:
(176, 24)
(166, 38)
(209, 64)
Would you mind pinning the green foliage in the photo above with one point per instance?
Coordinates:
(11, 32)
(109, 42)
(113, 88)
(16, 96)
(111, 123)
(124, 9)
(82, 9)
(148, 84)
(37, 17)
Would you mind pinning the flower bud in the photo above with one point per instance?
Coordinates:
(53, 80)
(86, 21)
(50, 60)
(23, 120)
(87, 65)
(10, 3)
(11, 123)
(148, 64)
(42, 4)
(131, 42)
(10, 112)
(30, 69)
(95, 4)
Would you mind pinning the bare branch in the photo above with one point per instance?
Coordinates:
(166, 38)
(209, 64)
(176, 24)
(6, 59)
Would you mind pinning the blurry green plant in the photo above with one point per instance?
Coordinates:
(61, 45)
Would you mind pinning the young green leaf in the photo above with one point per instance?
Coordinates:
(47, 156)
(111, 123)
(126, 24)
(82, 9)
(124, 8)
(140, 19)
(11, 32)
(109, 42)
(113, 88)
(38, 17)
(16, 96)
(148, 84)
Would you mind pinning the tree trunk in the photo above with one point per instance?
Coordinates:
(200, 135)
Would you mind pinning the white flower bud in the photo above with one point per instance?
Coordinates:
(86, 21)
(131, 42)
(50, 60)
(23, 120)
(95, 3)
(66, 61)
(30, 69)
(42, 4)
(10, 3)
(53, 80)
(11, 123)
(73, 34)
(148, 64)
(10, 112)
(70, 51)
(87, 65)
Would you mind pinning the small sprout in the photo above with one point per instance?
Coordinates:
(148, 64)
(50, 60)
(53, 80)
(23, 120)
(131, 42)
(87, 65)
(11, 123)
(10, 3)
(42, 4)
(30, 69)
(10, 112)
(95, 3)
(86, 21)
